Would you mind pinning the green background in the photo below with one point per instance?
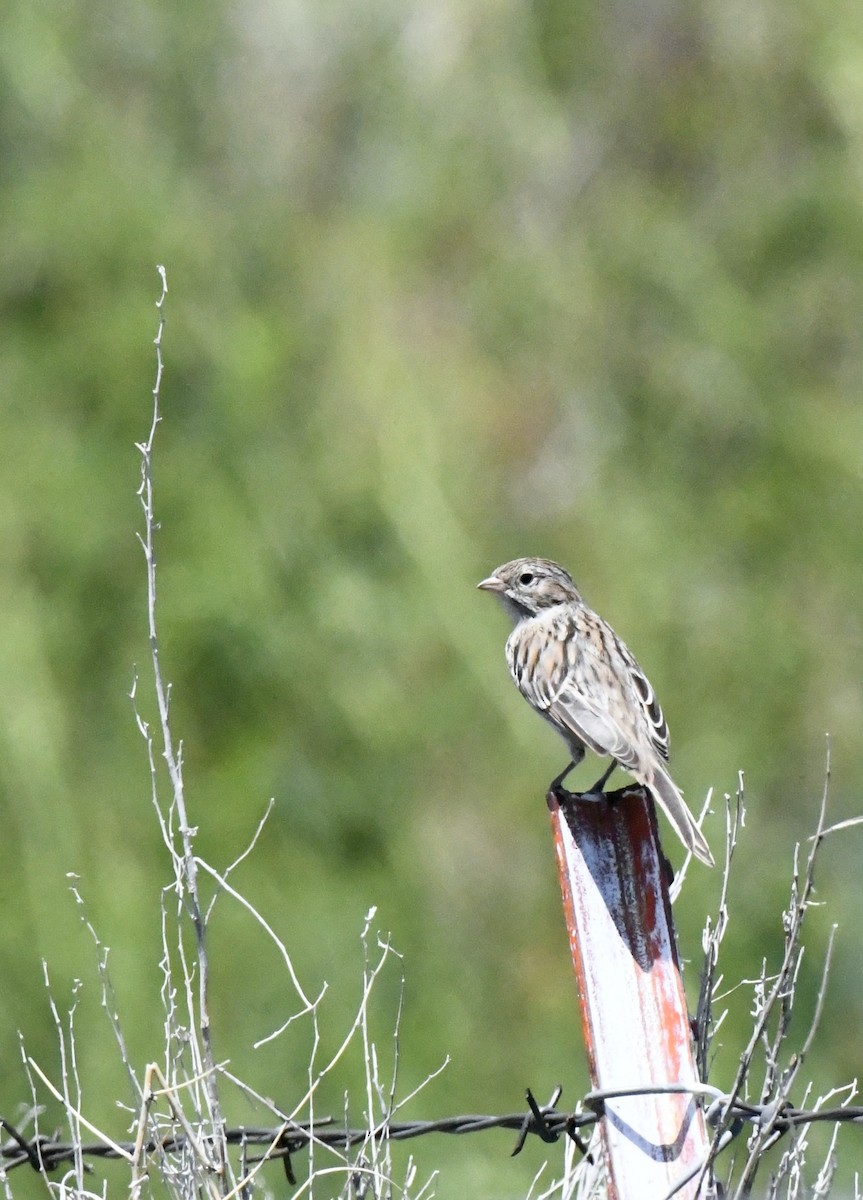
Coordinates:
(449, 283)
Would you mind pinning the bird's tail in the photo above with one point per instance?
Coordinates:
(674, 807)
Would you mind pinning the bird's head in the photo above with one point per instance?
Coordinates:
(526, 586)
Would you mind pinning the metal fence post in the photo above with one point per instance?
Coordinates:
(614, 881)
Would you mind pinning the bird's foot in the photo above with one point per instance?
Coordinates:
(559, 796)
(598, 787)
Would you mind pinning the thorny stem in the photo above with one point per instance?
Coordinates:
(795, 916)
(173, 759)
(713, 938)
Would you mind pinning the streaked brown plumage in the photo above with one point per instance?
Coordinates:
(571, 666)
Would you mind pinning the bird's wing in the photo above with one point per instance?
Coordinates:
(656, 726)
(599, 730)
(572, 667)
(598, 641)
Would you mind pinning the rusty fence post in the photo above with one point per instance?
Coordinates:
(633, 1007)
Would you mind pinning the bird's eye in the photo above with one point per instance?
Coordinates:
(527, 577)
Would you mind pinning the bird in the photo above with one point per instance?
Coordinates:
(575, 671)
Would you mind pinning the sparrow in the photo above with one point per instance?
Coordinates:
(571, 667)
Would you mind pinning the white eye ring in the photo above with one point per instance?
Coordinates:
(527, 577)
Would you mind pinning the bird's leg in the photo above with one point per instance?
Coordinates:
(556, 784)
(556, 788)
(603, 780)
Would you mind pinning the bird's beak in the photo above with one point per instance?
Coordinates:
(492, 584)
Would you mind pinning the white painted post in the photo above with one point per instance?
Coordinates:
(614, 882)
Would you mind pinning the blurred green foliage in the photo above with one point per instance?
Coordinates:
(450, 282)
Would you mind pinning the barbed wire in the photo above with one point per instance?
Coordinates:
(45, 1154)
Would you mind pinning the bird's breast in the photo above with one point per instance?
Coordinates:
(539, 653)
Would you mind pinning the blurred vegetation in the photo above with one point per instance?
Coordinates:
(450, 282)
